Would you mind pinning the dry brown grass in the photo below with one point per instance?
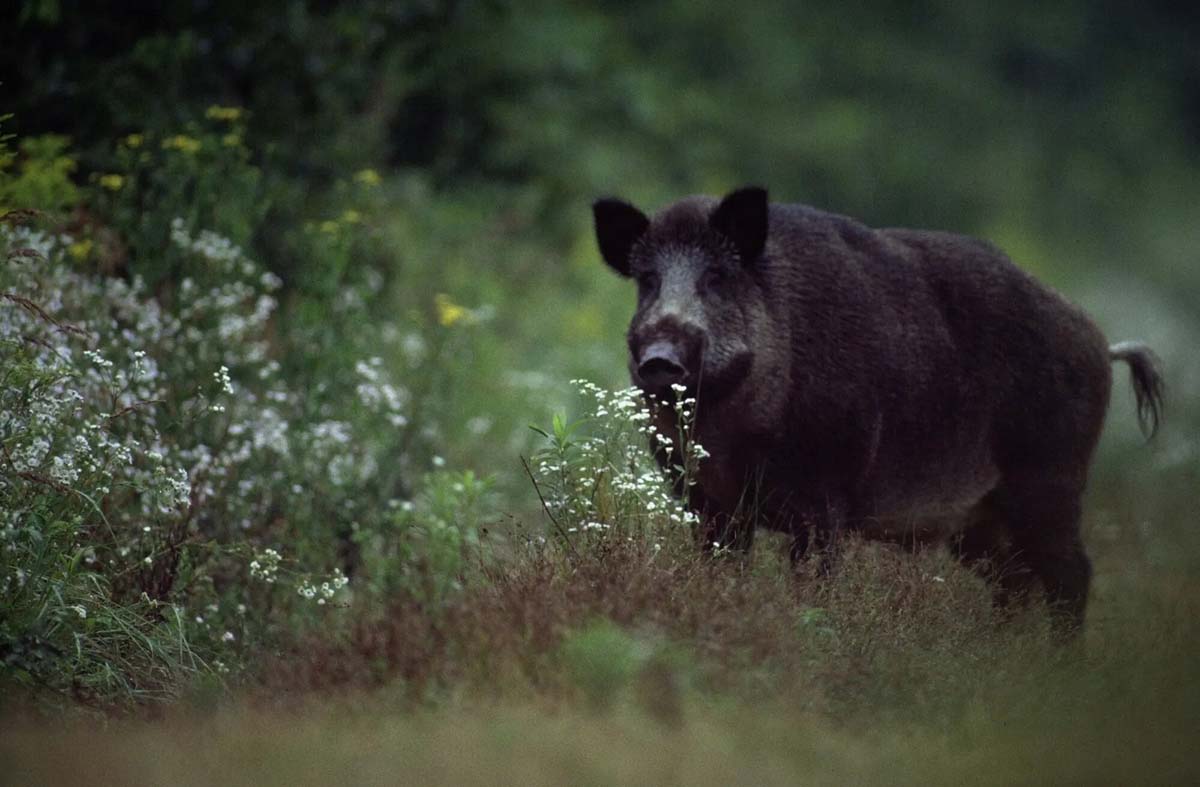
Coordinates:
(889, 633)
(631, 665)
(901, 679)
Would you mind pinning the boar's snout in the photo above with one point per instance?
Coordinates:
(661, 365)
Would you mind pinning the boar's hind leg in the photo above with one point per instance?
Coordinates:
(985, 547)
(1042, 517)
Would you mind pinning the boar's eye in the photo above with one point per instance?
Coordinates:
(714, 279)
(647, 282)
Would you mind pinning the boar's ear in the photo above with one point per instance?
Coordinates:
(742, 217)
(618, 226)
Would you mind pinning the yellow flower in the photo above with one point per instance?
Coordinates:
(182, 143)
(80, 249)
(351, 216)
(448, 311)
(112, 182)
(228, 114)
(368, 177)
(133, 140)
(329, 227)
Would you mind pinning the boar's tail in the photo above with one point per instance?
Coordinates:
(1145, 372)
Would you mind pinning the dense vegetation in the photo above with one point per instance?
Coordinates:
(283, 285)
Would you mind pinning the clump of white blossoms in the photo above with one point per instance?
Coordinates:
(152, 423)
(375, 392)
(598, 476)
(325, 591)
(78, 402)
(266, 566)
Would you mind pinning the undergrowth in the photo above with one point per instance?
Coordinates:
(892, 641)
(174, 497)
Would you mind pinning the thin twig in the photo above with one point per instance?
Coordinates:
(25, 254)
(546, 508)
(41, 479)
(62, 489)
(130, 408)
(20, 216)
(41, 313)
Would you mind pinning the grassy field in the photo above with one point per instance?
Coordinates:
(515, 744)
(628, 664)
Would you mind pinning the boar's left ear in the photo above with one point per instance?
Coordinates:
(742, 217)
(618, 226)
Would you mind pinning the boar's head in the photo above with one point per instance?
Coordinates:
(700, 301)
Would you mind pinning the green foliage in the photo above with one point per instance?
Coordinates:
(423, 548)
(201, 175)
(38, 175)
(1024, 124)
(602, 660)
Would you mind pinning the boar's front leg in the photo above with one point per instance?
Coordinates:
(817, 527)
(720, 530)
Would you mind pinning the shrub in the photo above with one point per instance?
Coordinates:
(170, 495)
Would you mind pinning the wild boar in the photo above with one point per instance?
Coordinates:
(903, 384)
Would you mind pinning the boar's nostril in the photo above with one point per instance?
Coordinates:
(661, 365)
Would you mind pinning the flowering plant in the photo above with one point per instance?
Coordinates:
(602, 482)
(158, 473)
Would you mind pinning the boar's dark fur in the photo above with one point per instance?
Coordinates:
(904, 384)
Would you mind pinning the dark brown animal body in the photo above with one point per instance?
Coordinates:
(904, 384)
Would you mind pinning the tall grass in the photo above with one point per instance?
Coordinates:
(624, 664)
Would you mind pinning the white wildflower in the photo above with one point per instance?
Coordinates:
(222, 377)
